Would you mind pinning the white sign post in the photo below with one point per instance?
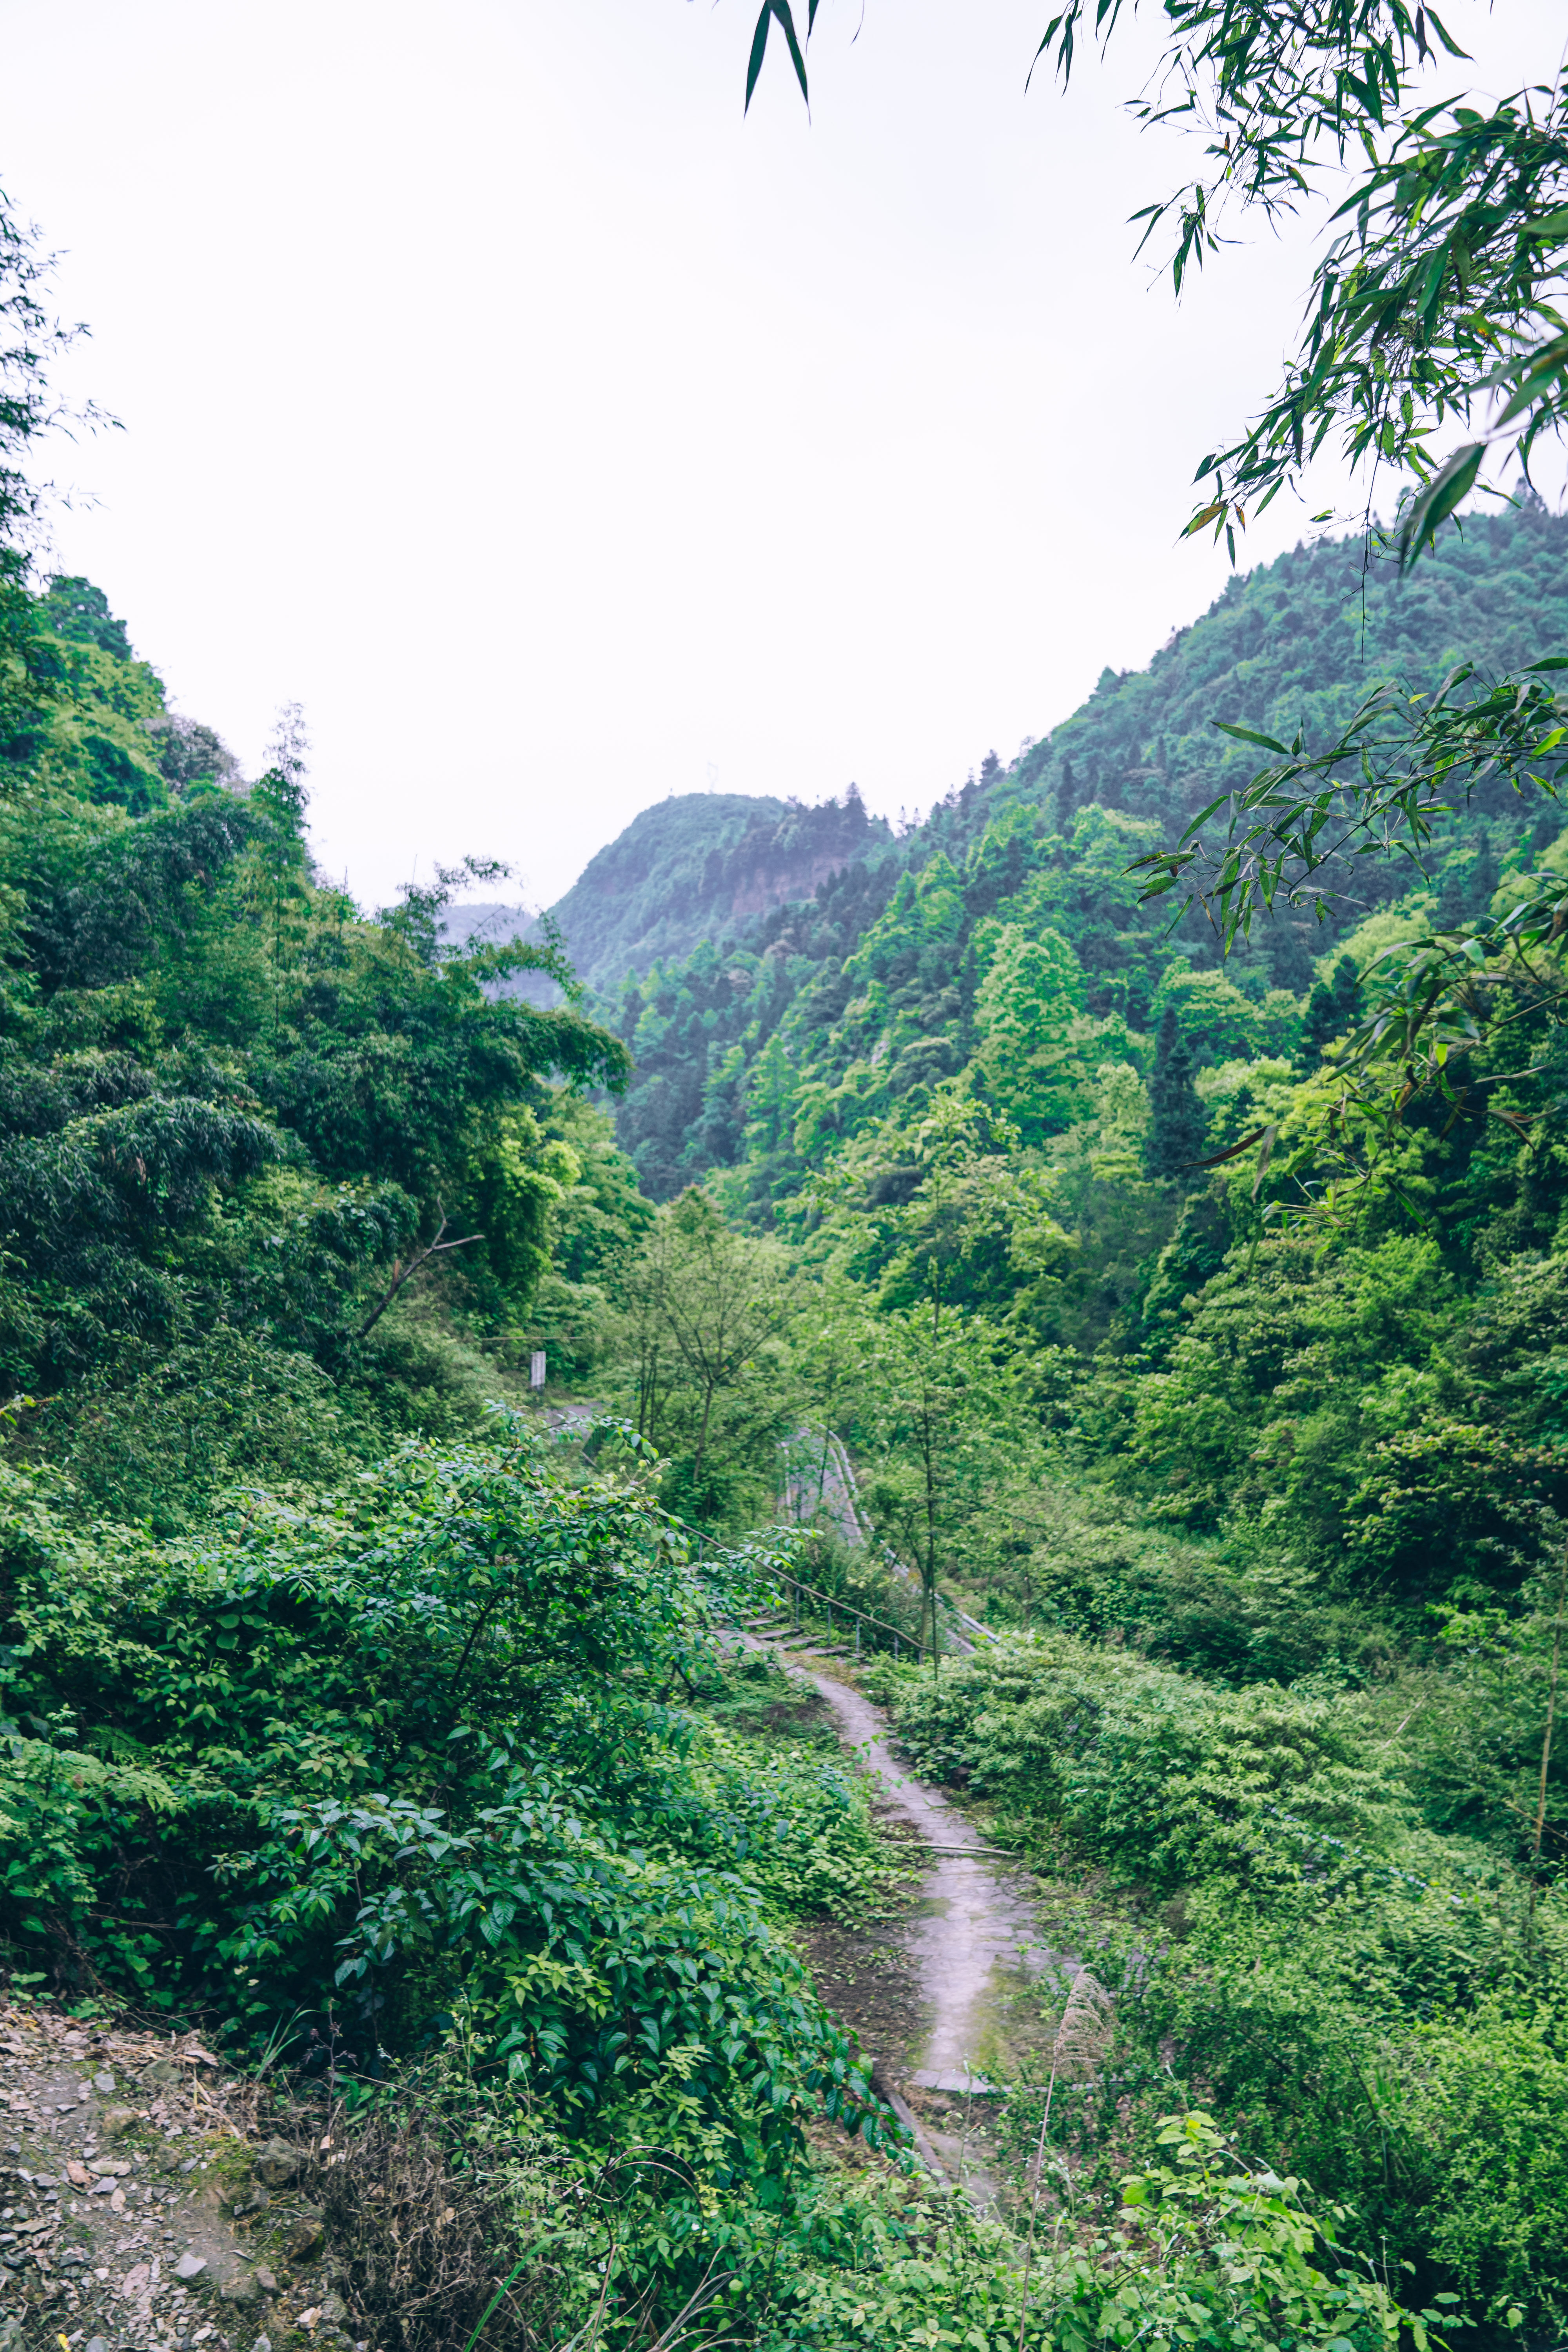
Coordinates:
(536, 1369)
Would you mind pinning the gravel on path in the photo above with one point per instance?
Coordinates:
(136, 2212)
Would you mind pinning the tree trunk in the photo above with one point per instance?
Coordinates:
(1546, 1753)
(931, 1538)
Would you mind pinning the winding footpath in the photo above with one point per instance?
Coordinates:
(971, 1932)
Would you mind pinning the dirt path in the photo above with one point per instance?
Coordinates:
(972, 1925)
(963, 1964)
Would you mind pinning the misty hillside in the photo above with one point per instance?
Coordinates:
(692, 866)
(699, 864)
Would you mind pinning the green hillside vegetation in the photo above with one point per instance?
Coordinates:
(1166, 1349)
(769, 1051)
(1268, 1508)
(383, 1715)
(233, 1110)
(352, 1709)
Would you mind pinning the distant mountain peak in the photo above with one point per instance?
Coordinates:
(701, 866)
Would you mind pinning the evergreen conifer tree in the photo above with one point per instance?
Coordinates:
(1066, 798)
(1332, 1008)
(1176, 1127)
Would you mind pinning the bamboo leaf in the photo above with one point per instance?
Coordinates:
(1450, 490)
(1249, 735)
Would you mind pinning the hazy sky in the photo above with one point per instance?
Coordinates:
(561, 439)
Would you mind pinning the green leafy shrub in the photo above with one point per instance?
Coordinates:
(409, 1749)
(1162, 1775)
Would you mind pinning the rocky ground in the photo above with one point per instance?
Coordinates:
(146, 2205)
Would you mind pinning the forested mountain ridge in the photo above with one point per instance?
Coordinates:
(696, 866)
(768, 1049)
(1264, 1523)
(700, 863)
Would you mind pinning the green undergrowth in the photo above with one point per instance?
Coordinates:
(815, 1849)
(1292, 1938)
(332, 1768)
(440, 1775)
(442, 2184)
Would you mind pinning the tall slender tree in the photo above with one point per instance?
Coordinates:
(1177, 1126)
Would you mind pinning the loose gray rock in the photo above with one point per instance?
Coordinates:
(190, 2266)
(241, 2288)
(304, 2238)
(162, 2072)
(97, 2343)
(277, 2163)
(266, 2279)
(262, 2344)
(334, 2311)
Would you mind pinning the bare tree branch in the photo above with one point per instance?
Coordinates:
(402, 1274)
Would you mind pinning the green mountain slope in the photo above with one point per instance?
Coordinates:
(233, 1110)
(692, 868)
(700, 864)
(763, 1052)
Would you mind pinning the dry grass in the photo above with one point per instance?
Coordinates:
(426, 2210)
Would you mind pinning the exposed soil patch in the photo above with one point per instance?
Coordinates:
(873, 1986)
(147, 2203)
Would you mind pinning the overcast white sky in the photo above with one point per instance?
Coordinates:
(563, 440)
